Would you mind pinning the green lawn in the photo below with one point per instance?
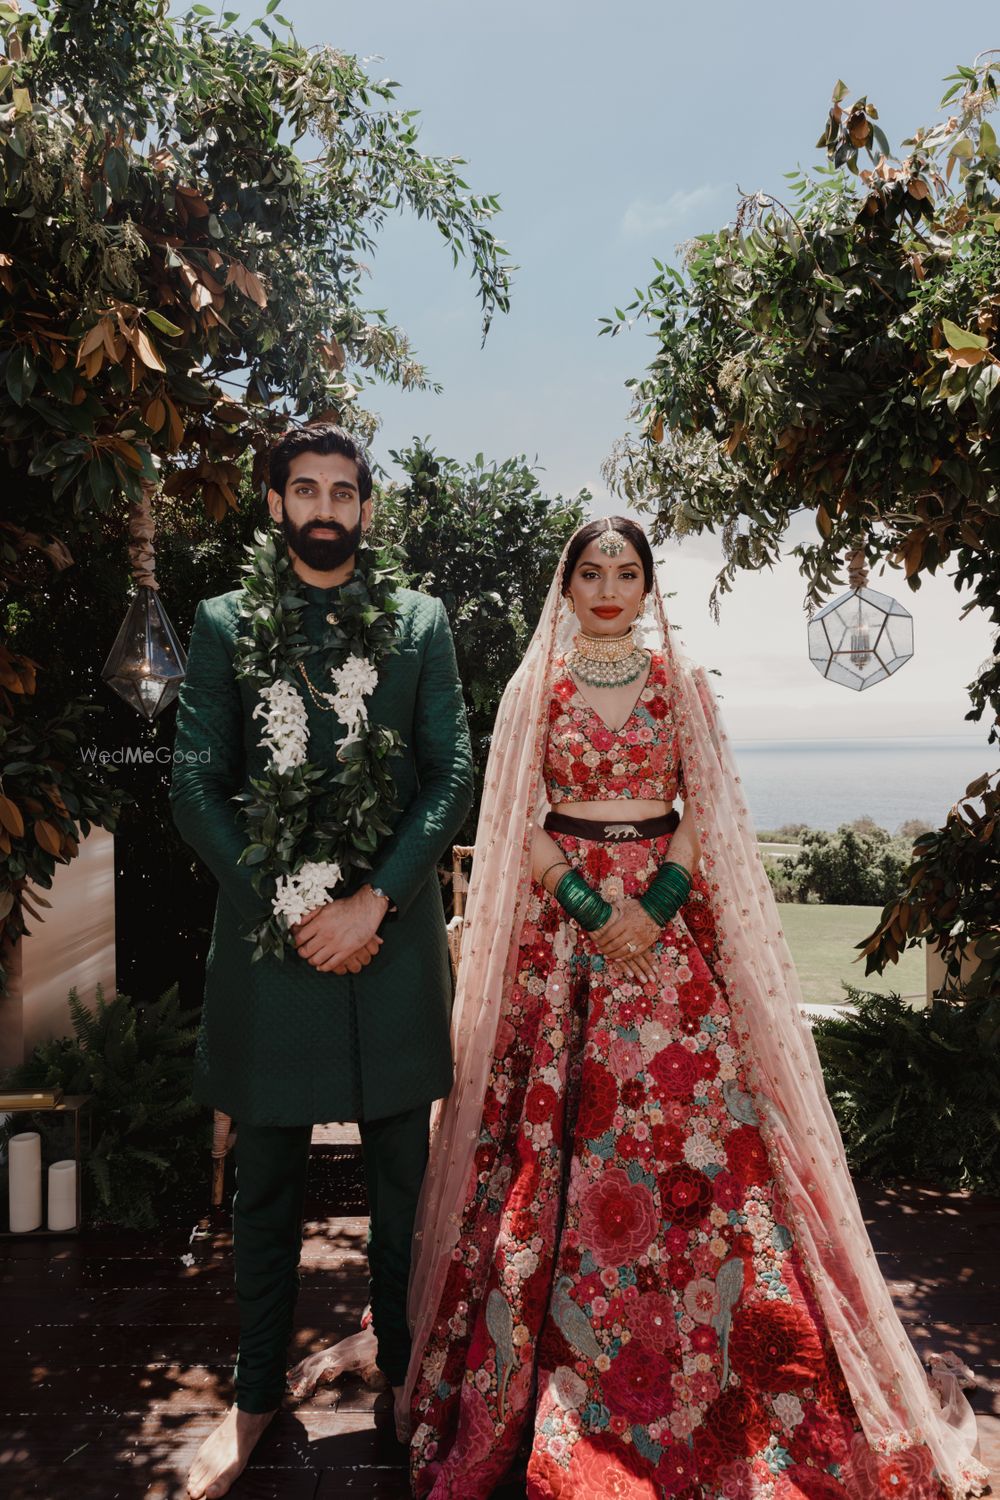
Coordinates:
(822, 940)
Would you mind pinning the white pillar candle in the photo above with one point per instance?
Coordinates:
(24, 1162)
(62, 1195)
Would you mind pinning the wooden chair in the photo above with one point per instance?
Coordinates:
(223, 1134)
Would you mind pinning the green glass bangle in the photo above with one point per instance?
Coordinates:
(666, 893)
(579, 901)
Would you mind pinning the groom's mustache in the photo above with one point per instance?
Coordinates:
(329, 526)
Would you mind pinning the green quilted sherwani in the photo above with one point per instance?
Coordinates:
(281, 1043)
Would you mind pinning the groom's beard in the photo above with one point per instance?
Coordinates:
(324, 552)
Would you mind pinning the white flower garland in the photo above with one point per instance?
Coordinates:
(302, 892)
(355, 681)
(286, 738)
(286, 729)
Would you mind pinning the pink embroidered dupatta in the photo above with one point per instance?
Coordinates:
(894, 1402)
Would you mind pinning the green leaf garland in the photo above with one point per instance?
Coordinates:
(311, 812)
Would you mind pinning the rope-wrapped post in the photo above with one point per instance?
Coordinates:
(857, 569)
(141, 531)
(459, 887)
(223, 1141)
(459, 882)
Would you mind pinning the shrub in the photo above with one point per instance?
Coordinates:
(785, 880)
(910, 1091)
(851, 867)
(148, 1138)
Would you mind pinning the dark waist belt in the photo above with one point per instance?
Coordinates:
(611, 833)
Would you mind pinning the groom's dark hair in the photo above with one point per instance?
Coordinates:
(317, 437)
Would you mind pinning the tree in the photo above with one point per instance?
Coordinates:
(852, 867)
(841, 356)
(485, 539)
(187, 208)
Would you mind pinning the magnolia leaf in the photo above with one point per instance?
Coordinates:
(155, 414)
(92, 339)
(147, 351)
(47, 836)
(176, 430)
(125, 451)
(254, 288)
(961, 338)
(966, 357)
(162, 324)
(10, 817)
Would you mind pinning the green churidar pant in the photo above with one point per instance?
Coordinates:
(271, 1165)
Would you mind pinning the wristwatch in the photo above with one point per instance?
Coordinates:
(392, 910)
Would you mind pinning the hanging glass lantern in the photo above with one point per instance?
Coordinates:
(862, 637)
(146, 664)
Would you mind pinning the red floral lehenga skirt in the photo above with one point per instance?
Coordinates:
(626, 1308)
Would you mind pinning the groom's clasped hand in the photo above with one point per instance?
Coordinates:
(342, 936)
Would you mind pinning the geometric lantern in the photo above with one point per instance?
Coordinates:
(862, 637)
(146, 664)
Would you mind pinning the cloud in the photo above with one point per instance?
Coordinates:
(644, 216)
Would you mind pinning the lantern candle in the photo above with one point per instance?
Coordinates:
(24, 1162)
(62, 1195)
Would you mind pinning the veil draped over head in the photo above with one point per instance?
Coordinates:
(893, 1400)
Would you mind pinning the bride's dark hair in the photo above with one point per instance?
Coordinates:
(630, 530)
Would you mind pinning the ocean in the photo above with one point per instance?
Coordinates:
(828, 782)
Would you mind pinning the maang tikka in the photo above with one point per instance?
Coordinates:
(611, 542)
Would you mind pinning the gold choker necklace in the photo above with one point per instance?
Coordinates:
(603, 661)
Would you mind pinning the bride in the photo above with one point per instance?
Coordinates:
(640, 1264)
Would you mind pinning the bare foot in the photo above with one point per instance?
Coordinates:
(401, 1414)
(223, 1455)
(354, 1355)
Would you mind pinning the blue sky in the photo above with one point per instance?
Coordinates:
(610, 138)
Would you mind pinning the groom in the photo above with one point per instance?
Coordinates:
(353, 1024)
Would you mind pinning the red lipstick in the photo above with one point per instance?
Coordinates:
(606, 611)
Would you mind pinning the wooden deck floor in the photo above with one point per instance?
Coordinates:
(116, 1355)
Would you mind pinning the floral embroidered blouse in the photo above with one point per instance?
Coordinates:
(585, 761)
